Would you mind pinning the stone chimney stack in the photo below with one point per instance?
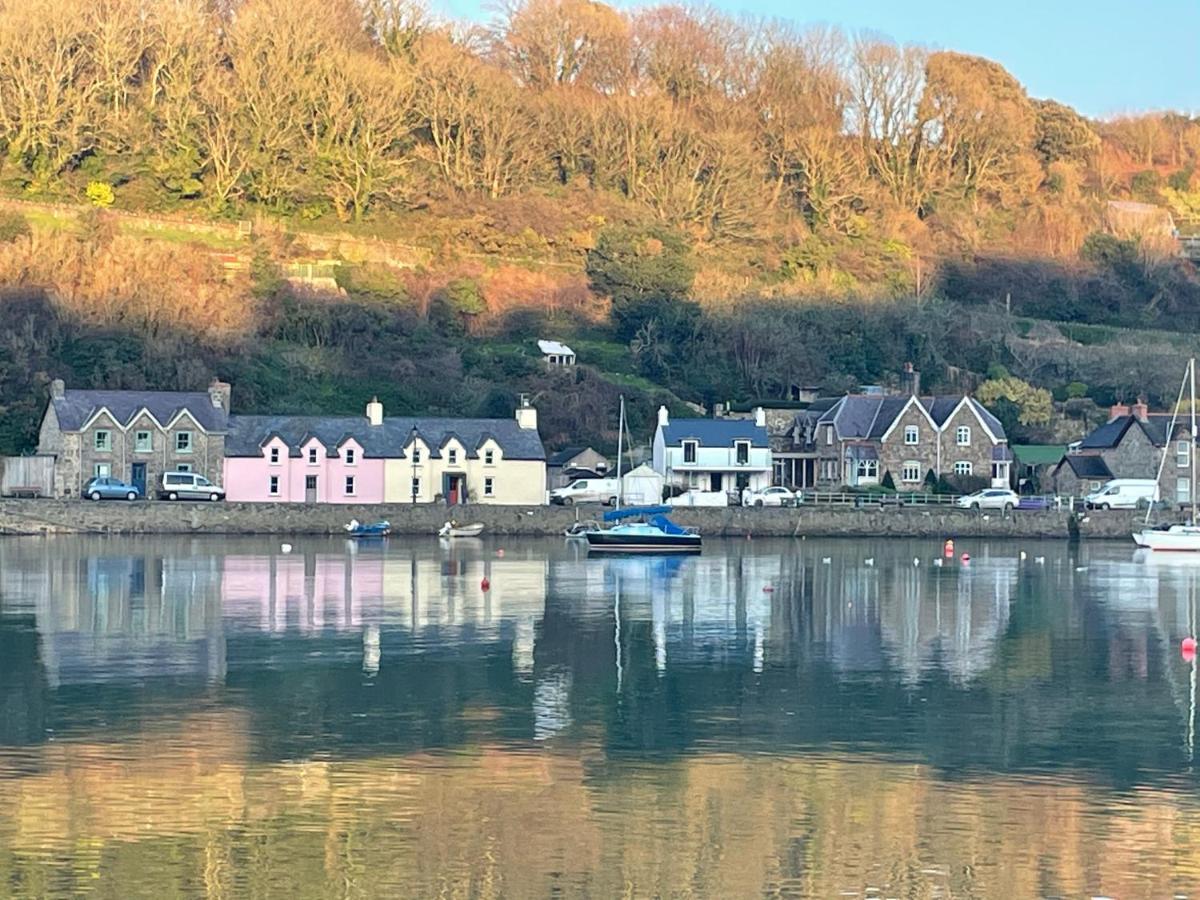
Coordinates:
(760, 417)
(1140, 410)
(910, 381)
(58, 389)
(1117, 410)
(219, 393)
(526, 414)
(374, 412)
(664, 417)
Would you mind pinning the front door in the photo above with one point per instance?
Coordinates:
(454, 489)
(310, 488)
(714, 481)
(138, 477)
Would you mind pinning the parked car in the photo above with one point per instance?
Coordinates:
(189, 486)
(1123, 493)
(991, 498)
(587, 490)
(770, 496)
(107, 488)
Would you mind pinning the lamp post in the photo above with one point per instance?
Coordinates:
(412, 445)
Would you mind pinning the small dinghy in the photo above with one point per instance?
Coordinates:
(356, 528)
(579, 530)
(454, 530)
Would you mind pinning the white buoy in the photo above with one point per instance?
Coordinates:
(825, 560)
(285, 548)
(1040, 560)
(1022, 556)
(916, 561)
(869, 561)
(939, 562)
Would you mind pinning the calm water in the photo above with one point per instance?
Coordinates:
(213, 718)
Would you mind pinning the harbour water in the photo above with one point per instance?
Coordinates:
(213, 718)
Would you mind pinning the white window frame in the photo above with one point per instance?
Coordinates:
(350, 486)
(314, 457)
(416, 455)
(1183, 490)
(694, 447)
(273, 486)
(912, 435)
(913, 468)
(829, 435)
(962, 436)
(105, 445)
(737, 452)
(489, 486)
(102, 470)
(964, 467)
(489, 457)
(867, 469)
(1183, 456)
(273, 456)
(184, 443)
(451, 457)
(350, 456)
(140, 446)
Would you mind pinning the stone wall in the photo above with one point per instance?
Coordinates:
(157, 517)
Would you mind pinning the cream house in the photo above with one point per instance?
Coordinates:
(496, 461)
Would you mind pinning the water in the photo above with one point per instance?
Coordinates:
(213, 718)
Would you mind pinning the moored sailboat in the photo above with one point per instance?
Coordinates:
(1179, 537)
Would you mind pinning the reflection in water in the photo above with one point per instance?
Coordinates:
(214, 718)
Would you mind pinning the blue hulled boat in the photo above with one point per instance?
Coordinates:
(642, 529)
(356, 528)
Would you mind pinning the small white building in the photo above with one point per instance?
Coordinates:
(642, 487)
(713, 455)
(556, 354)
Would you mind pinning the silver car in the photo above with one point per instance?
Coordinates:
(189, 486)
(991, 498)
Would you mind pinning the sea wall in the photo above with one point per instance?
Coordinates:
(156, 517)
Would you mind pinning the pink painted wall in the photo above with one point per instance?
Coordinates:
(248, 479)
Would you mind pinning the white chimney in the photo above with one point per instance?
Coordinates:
(664, 417)
(760, 417)
(374, 412)
(526, 414)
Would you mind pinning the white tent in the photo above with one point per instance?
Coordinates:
(642, 487)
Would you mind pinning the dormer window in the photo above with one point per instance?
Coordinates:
(741, 452)
(828, 434)
(274, 456)
(312, 456)
(416, 455)
(689, 451)
(349, 457)
(452, 456)
(489, 457)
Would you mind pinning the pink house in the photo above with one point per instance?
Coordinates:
(306, 459)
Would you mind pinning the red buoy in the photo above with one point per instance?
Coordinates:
(1187, 649)
(966, 557)
(485, 584)
(949, 549)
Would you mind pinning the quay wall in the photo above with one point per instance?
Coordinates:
(158, 517)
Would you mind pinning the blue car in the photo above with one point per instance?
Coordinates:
(105, 488)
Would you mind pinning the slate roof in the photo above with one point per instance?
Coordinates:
(1111, 433)
(75, 407)
(1086, 465)
(715, 432)
(564, 456)
(248, 434)
(868, 416)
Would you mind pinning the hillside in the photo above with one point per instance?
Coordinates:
(708, 209)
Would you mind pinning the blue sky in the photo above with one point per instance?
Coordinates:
(1102, 57)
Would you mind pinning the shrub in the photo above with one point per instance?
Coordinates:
(100, 193)
(12, 225)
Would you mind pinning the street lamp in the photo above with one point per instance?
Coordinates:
(412, 444)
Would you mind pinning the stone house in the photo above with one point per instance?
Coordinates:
(1131, 444)
(133, 435)
(1079, 474)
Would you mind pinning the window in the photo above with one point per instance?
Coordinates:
(416, 486)
(962, 436)
(273, 489)
(349, 456)
(416, 455)
(183, 467)
(349, 485)
(101, 470)
(1183, 490)
(689, 452)
(828, 434)
(868, 469)
(962, 467)
(274, 456)
(489, 487)
(489, 457)
(910, 472)
(742, 452)
(143, 442)
(1183, 458)
(183, 442)
(912, 434)
(312, 456)
(103, 440)
(452, 457)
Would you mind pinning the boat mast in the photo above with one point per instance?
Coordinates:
(1192, 447)
(1188, 374)
(620, 432)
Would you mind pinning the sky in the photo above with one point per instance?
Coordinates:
(1102, 57)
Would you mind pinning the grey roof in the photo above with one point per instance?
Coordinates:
(74, 408)
(869, 416)
(862, 451)
(1086, 465)
(248, 434)
(564, 456)
(715, 432)
(1002, 453)
(1112, 432)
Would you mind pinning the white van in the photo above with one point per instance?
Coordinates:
(1123, 493)
(587, 490)
(189, 486)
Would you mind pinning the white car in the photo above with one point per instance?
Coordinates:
(771, 496)
(992, 498)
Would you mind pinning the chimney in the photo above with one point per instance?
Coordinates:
(374, 412)
(664, 418)
(218, 393)
(58, 389)
(1117, 410)
(760, 417)
(910, 381)
(526, 414)
(1140, 410)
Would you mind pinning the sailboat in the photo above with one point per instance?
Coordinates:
(1184, 537)
(639, 529)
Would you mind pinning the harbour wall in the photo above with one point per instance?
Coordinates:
(157, 517)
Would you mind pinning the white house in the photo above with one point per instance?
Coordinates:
(556, 354)
(713, 454)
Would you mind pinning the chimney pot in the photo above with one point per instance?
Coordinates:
(219, 393)
(1117, 410)
(58, 389)
(664, 417)
(374, 412)
(760, 417)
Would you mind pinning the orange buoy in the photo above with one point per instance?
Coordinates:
(485, 584)
(1187, 649)
(500, 552)
(949, 548)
